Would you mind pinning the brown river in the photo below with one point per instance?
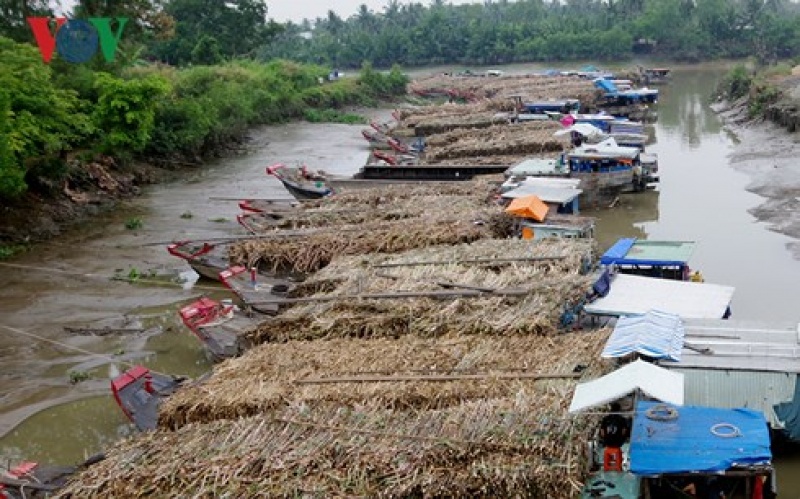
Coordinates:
(68, 283)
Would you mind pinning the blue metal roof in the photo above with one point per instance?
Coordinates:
(618, 251)
(700, 439)
(654, 253)
(654, 334)
(606, 85)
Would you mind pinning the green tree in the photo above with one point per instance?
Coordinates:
(125, 111)
(13, 14)
(206, 51)
(239, 27)
(12, 175)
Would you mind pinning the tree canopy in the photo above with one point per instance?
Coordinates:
(537, 30)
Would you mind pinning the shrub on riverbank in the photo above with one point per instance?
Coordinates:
(760, 91)
(50, 112)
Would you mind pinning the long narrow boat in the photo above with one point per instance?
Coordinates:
(221, 328)
(139, 392)
(205, 258)
(300, 183)
(253, 288)
(261, 205)
(29, 480)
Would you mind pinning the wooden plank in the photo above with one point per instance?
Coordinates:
(397, 295)
(472, 260)
(433, 378)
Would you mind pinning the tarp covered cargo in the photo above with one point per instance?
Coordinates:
(699, 439)
(528, 207)
(635, 295)
(656, 382)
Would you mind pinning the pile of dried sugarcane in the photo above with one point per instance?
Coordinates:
(498, 140)
(521, 445)
(409, 372)
(432, 292)
(446, 214)
(530, 87)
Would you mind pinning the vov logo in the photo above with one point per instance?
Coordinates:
(77, 40)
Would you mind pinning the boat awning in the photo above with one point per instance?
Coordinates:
(629, 251)
(535, 166)
(698, 440)
(656, 382)
(606, 148)
(548, 194)
(635, 295)
(655, 334)
(606, 85)
(528, 207)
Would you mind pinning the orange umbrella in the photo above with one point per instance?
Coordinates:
(528, 207)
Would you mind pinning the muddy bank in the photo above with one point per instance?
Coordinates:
(766, 151)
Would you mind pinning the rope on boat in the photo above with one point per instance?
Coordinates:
(71, 347)
(105, 277)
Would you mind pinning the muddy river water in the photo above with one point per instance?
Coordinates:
(68, 282)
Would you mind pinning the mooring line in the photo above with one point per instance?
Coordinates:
(71, 347)
(106, 277)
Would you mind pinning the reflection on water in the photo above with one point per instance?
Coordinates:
(627, 218)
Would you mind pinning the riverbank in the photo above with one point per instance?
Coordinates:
(766, 151)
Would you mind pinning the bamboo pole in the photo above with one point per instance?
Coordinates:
(433, 378)
(398, 295)
(472, 260)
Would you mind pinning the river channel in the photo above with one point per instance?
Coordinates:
(68, 282)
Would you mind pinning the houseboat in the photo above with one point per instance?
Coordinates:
(532, 220)
(559, 194)
(662, 259)
(665, 449)
(654, 76)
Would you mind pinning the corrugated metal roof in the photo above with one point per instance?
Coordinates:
(559, 195)
(733, 389)
(635, 295)
(655, 334)
(655, 381)
(633, 251)
(742, 345)
(536, 166)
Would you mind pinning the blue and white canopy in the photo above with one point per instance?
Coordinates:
(655, 334)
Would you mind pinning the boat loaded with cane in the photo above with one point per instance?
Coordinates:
(139, 392)
(206, 258)
(254, 289)
(32, 480)
(220, 327)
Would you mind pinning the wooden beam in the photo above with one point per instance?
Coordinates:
(433, 378)
(397, 295)
(472, 260)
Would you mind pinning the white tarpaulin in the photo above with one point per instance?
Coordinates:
(585, 129)
(635, 295)
(656, 382)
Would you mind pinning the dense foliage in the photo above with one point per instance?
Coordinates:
(540, 30)
(154, 111)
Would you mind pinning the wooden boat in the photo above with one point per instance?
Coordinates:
(258, 223)
(219, 327)
(30, 480)
(139, 392)
(205, 258)
(654, 76)
(253, 288)
(300, 183)
(375, 138)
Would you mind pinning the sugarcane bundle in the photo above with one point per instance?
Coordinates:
(525, 285)
(525, 445)
(409, 372)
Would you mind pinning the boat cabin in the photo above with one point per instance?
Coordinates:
(532, 220)
(565, 106)
(662, 259)
(655, 76)
(614, 96)
(559, 194)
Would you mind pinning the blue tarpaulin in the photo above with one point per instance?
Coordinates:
(700, 439)
(655, 334)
